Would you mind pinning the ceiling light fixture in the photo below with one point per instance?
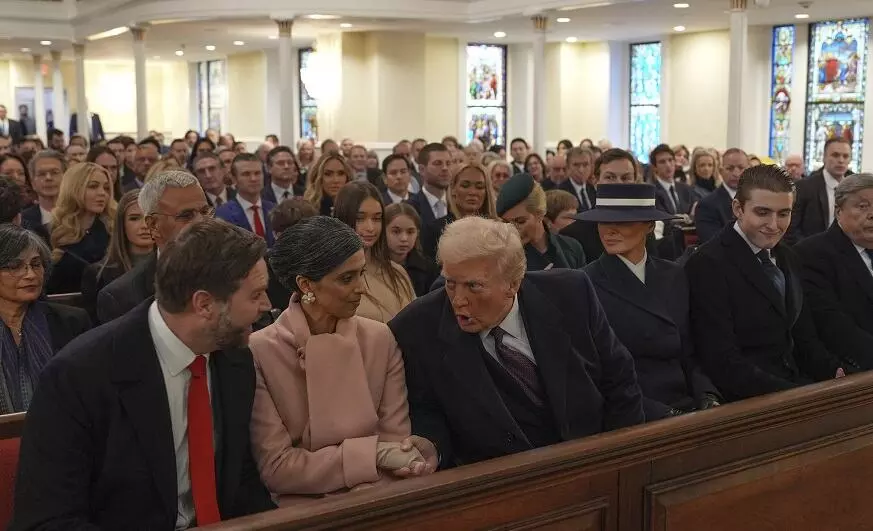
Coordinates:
(25, 50)
(239, 43)
(179, 53)
(322, 17)
(499, 34)
(681, 5)
(345, 25)
(562, 19)
(572, 39)
(273, 37)
(210, 48)
(678, 28)
(46, 43)
(802, 16)
(108, 33)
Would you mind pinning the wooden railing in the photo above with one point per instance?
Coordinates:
(11, 426)
(798, 460)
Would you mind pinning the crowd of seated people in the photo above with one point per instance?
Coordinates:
(258, 329)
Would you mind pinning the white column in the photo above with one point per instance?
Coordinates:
(39, 99)
(139, 59)
(739, 34)
(58, 108)
(540, 23)
(618, 113)
(83, 122)
(286, 83)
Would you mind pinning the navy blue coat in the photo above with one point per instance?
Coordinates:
(713, 213)
(588, 376)
(232, 212)
(652, 321)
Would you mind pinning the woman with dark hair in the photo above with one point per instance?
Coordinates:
(330, 409)
(201, 145)
(226, 141)
(536, 168)
(563, 147)
(288, 213)
(106, 159)
(13, 166)
(389, 289)
(129, 245)
(191, 138)
(327, 178)
(31, 330)
(240, 148)
(403, 226)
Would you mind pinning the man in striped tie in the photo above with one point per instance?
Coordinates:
(502, 361)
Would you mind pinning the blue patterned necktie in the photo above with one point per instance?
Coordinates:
(519, 366)
(777, 277)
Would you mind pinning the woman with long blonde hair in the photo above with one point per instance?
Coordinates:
(326, 178)
(82, 221)
(703, 173)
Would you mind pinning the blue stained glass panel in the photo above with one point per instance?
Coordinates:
(780, 91)
(486, 93)
(645, 130)
(645, 75)
(832, 120)
(308, 104)
(838, 60)
(486, 122)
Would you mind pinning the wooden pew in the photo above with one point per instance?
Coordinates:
(70, 299)
(11, 427)
(798, 460)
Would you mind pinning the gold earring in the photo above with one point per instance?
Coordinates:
(308, 298)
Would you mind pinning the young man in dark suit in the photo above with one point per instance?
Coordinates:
(144, 422)
(499, 361)
(814, 208)
(838, 277)
(579, 182)
(750, 326)
(283, 179)
(170, 201)
(518, 150)
(434, 162)
(715, 211)
(247, 210)
(211, 173)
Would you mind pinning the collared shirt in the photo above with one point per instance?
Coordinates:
(175, 357)
(280, 192)
(396, 198)
(214, 198)
(863, 252)
(361, 176)
(516, 335)
(830, 186)
(666, 186)
(639, 270)
(731, 192)
(582, 193)
(4, 127)
(46, 216)
(437, 204)
(755, 249)
(250, 215)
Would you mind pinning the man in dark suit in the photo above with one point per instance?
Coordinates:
(814, 208)
(750, 326)
(247, 210)
(395, 168)
(143, 423)
(580, 181)
(283, 180)
(148, 152)
(670, 196)
(837, 274)
(9, 127)
(518, 150)
(499, 361)
(434, 162)
(211, 173)
(96, 133)
(170, 201)
(715, 211)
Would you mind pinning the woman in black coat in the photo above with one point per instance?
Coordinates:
(646, 302)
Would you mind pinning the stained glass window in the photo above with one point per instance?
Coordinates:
(782, 64)
(486, 94)
(212, 94)
(645, 98)
(837, 81)
(308, 104)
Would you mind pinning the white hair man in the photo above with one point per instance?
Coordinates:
(170, 201)
(502, 361)
(794, 166)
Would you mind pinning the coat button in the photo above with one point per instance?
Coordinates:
(510, 438)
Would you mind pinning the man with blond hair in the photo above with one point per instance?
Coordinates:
(501, 361)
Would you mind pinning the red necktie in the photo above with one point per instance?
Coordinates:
(201, 456)
(259, 225)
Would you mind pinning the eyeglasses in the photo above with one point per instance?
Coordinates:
(42, 174)
(18, 268)
(190, 214)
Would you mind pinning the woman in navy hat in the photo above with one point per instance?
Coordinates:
(646, 302)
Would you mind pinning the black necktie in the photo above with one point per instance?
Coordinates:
(583, 192)
(777, 277)
(675, 199)
(870, 254)
(519, 366)
(285, 195)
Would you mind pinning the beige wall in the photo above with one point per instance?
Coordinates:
(442, 101)
(246, 95)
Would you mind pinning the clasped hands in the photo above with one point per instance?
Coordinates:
(414, 456)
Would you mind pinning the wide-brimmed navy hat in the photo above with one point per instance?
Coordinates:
(624, 203)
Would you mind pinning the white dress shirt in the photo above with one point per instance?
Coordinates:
(731, 192)
(437, 204)
(4, 127)
(280, 192)
(755, 249)
(175, 357)
(250, 215)
(830, 188)
(396, 198)
(639, 270)
(516, 335)
(46, 216)
(214, 198)
(582, 193)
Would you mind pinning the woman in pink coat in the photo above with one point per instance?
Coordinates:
(330, 404)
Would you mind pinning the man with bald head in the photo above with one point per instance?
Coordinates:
(794, 166)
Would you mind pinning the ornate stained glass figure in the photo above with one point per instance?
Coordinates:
(645, 98)
(836, 92)
(308, 104)
(780, 91)
(486, 93)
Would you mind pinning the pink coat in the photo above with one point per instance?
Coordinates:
(322, 402)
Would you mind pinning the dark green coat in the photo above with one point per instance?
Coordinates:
(562, 253)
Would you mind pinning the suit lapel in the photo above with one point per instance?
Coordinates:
(741, 255)
(793, 284)
(463, 357)
(550, 344)
(143, 397)
(268, 227)
(823, 200)
(622, 283)
(231, 419)
(725, 204)
(239, 216)
(853, 259)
